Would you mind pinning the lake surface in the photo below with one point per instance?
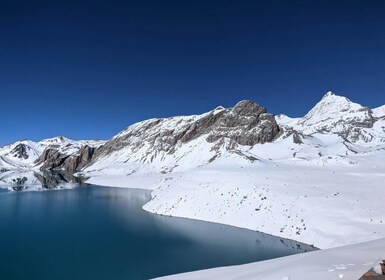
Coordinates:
(93, 232)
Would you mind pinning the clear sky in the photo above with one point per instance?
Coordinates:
(88, 69)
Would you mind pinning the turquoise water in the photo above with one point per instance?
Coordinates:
(93, 232)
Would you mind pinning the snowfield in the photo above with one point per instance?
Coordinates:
(339, 263)
(325, 202)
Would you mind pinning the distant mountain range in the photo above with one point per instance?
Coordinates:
(334, 128)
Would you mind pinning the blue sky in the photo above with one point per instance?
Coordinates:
(88, 69)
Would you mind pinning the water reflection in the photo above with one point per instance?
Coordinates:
(20, 180)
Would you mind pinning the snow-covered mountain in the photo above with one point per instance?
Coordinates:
(313, 179)
(181, 143)
(335, 127)
(338, 115)
(22, 164)
(25, 155)
(327, 164)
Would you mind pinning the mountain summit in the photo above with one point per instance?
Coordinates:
(338, 115)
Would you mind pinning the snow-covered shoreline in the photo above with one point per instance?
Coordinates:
(329, 206)
(348, 262)
(325, 198)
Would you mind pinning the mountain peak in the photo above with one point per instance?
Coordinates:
(332, 97)
(330, 106)
(337, 114)
(56, 140)
(328, 94)
(247, 108)
(333, 103)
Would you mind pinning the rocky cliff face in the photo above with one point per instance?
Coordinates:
(48, 154)
(169, 139)
(54, 159)
(20, 151)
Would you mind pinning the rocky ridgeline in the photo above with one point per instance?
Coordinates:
(222, 130)
(246, 124)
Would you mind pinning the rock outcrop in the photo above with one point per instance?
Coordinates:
(247, 124)
(53, 159)
(20, 151)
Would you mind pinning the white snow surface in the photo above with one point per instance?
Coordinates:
(379, 111)
(348, 262)
(321, 191)
(321, 201)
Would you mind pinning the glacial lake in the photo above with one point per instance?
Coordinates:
(93, 232)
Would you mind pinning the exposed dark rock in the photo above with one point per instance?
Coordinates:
(248, 108)
(296, 138)
(52, 159)
(372, 275)
(78, 161)
(245, 124)
(20, 151)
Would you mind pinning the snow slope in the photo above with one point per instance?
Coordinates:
(349, 262)
(379, 112)
(315, 183)
(324, 202)
(19, 155)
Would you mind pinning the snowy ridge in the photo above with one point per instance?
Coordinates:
(23, 155)
(182, 143)
(19, 155)
(338, 115)
(67, 146)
